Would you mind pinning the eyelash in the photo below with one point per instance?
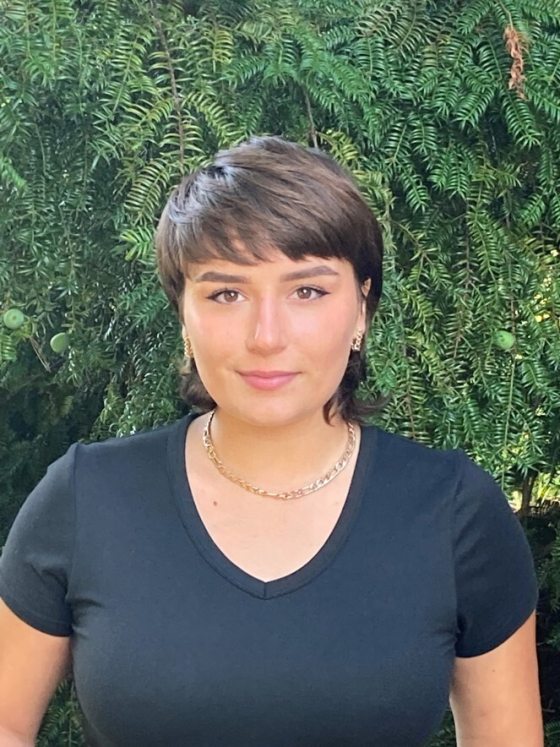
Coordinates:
(214, 296)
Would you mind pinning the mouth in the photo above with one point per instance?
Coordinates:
(267, 374)
(268, 379)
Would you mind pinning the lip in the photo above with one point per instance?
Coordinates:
(268, 379)
(268, 374)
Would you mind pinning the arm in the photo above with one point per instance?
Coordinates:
(32, 664)
(495, 697)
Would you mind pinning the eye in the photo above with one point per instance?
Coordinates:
(319, 291)
(226, 292)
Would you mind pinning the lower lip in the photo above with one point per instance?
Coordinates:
(275, 382)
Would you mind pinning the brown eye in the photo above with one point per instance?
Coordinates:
(226, 293)
(308, 297)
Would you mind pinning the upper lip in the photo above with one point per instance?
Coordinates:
(267, 374)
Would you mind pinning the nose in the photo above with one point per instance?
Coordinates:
(266, 333)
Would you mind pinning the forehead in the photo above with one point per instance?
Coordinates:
(275, 265)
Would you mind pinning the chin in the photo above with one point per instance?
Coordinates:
(270, 414)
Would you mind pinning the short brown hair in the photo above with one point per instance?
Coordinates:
(266, 193)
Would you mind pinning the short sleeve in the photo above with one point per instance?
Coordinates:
(495, 575)
(36, 559)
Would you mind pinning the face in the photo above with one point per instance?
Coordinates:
(266, 319)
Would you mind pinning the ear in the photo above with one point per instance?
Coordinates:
(364, 289)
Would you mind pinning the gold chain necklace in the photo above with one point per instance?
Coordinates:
(321, 482)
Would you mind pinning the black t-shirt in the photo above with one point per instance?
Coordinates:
(175, 645)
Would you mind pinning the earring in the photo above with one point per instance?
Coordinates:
(357, 342)
(188, 348)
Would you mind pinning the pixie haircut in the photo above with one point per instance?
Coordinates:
(269, 193)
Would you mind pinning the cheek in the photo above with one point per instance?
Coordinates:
(329, 331)
(210, 330)
(325, 347)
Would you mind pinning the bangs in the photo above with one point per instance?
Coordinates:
(244, 216)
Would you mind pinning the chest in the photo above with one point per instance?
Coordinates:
(170, 648)
(266, 537)
(175, 646)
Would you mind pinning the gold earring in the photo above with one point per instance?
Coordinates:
(188, 348)
(357, 342)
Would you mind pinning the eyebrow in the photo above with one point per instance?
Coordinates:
(220, 277)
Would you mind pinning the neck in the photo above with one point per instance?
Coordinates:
(283, 457)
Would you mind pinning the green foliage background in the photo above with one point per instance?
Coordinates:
(105, 104)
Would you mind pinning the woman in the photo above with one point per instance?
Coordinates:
(270, 570)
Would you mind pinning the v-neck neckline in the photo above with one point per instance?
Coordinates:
(210, 551)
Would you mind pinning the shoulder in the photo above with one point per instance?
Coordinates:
(408, 459)
(122, 473)
(470, 487)
(142, 446)
(406, 445)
